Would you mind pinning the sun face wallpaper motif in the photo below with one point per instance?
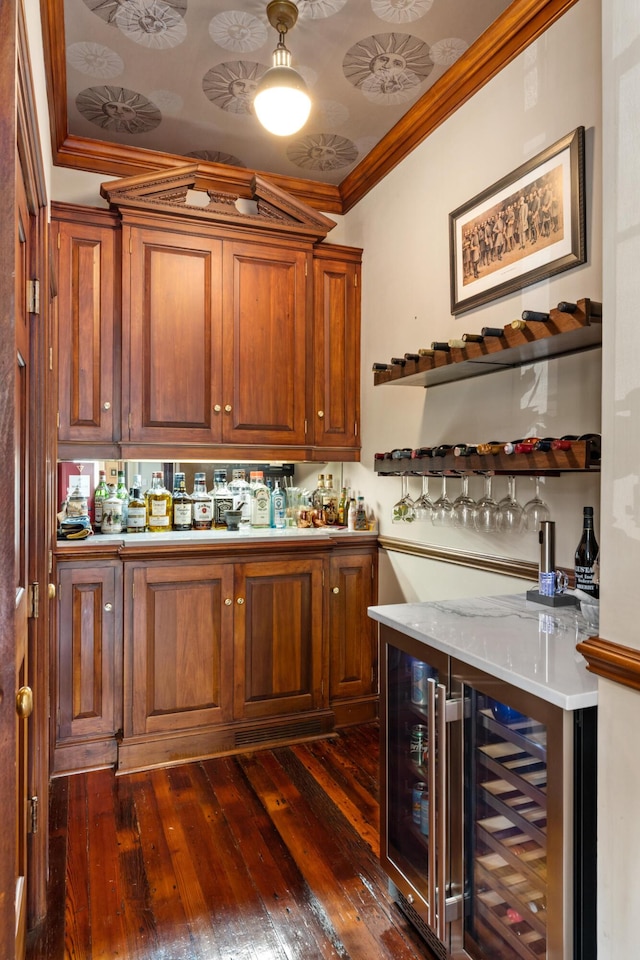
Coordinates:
(187, 71)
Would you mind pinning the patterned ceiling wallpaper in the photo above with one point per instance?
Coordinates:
(179, 76)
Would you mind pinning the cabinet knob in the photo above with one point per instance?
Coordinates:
(227, 408)
(321, 414)
(52, 591)
(240, 600)
(335, 589)
(108, 607)
(106, 405)
(409, 898)
(227, 602)
(24, 702)
(217, 408)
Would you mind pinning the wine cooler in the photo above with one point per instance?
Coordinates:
(487, 810)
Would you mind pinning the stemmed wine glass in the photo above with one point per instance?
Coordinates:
(423, 506)
(464, 506)
(486, 518)
(403, 510)
(535, 510)
(509, 510)
(442, 508)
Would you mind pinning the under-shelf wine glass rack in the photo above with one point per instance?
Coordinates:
(572, 329)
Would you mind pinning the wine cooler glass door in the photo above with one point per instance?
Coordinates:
(413, 807)
(506, 832)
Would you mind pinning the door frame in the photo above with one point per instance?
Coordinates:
(21, 157)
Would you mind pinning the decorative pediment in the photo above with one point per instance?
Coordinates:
(179, 192)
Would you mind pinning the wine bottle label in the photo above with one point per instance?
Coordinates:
(584, 580)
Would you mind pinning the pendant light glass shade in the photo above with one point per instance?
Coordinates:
(282, 102)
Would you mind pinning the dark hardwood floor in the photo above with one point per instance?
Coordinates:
(265, 856)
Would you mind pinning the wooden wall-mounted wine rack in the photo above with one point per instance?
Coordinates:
(563, 333)
(584, 455)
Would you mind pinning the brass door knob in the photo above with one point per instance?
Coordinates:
(335, 589)
(227, 602)
(227, 408)
(240, 600)
(24, 702)
(52, 591)
(321, 414)
(108, 607)
(217, 408)
(106, 405)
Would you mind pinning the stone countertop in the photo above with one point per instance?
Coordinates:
(527, 644)
(243, 535)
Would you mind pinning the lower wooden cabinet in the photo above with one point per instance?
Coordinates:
(88, 665)
(353, 680)
(166, 660)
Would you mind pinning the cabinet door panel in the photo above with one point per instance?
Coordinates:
(180, 648)
(353, 633)
(278, 638)
(173, 328)
(265, 344)
(89, 658)
(336, 353)
(87, 320)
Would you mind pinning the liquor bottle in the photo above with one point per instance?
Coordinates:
(159, 505)
(77, 504)
(123, 494)
(318, 493)
(222, 499)
(278, 506)
(112, 514)
(241, 493)
(361, 515)
(351, 514)
(182, 504)
(136, 511)
(260, 501)
(202, 503)
(100, 495)
(492, 332)
(343, 508)
(586, 556)
(330, 502)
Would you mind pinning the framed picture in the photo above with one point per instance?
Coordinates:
(526, 227)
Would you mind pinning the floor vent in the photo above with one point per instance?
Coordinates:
(302, 728)
(416, 921)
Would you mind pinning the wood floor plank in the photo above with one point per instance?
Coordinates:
(270, 855)
(340, 883)
(275, 875)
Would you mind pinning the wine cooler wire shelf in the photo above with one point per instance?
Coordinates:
(563, 333)
(516, 890)
(582, 457)
(517, 934)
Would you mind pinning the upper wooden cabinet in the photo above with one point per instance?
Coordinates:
(240, 328)
(87, 258)
(336, 348)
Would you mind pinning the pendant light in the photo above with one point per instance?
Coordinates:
(282, 102)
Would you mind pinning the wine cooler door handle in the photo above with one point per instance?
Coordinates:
(431, 785)
(442, 826)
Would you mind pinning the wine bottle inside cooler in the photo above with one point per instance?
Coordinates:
(586, 556)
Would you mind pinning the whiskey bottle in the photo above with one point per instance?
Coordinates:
(586, 556)
(100, 495)
(202, 504)
(159, 505)
(136, 512)
(318, 493)
(330, 502)
(222, 499)
(182, 504)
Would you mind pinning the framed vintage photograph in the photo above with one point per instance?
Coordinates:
(526, 227)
